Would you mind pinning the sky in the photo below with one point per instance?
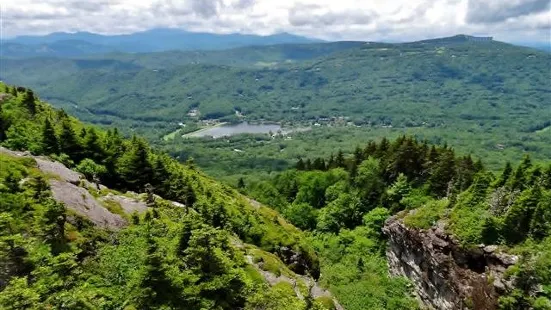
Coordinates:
(369, 20)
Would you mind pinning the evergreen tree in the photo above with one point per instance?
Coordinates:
(518, 218)
(358, 155)
(4, 124)
(331, 162)
(29, 101)
(370, 149)
(160, 174)
(155, 287)
(134, 166)
(12, 183)
(443, 172)
(383, 147)
(92, 146)
(505, 175)
(68, 141)
(465, 173)
(300, 165)
(308, 164)
(50, 143)
(13, 91)
(319, 164)
(546, 178)
(519, 179)
(540, 226)
(52, 225)
(40, 188)
(339, 160)
(241, 183)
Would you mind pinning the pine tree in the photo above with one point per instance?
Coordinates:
(540, 226)
(92, 146)
(13, 91)
(29, 101)
(160, 174)
(518, 218)
(358, 155)
(52, 225)
(40, 188)
(546, 178)
(12, 183)
(308, 165)
(331, 162)
(443, 172)
(50, 143)
(300, 164)
(465, 173)
(68, 141)
(505, 175)
(134, 166)
(383, 148)
(370, 149)
(241, 183)
(339, 160)
(155, 287)
(4, 124)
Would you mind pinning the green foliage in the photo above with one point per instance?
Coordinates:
(427, 215)
(278, 297)
(91, 170)
(170, 257)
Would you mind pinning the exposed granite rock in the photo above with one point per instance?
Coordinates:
(59, 170)
(129, 205)
(445, 275)
(79, 200)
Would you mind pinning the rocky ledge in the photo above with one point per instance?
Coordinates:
(445, 274)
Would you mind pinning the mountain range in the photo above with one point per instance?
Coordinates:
(61, 44)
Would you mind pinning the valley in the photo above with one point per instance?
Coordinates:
(306, 175)
(489, 99)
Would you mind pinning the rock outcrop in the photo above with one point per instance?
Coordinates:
(72, 189)
(446, 275)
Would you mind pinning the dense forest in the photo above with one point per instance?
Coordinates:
(195, 256)
(489, 99)
(199, 256)
(349, 198)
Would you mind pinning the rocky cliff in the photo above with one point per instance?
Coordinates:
(446, 275)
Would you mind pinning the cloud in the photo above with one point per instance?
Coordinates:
(493, 11)
(315, 15)
(373, 20)
(206, 8)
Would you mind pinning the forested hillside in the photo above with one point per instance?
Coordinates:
(344, 201)
(62, 44)
(199, 244)
(487, 98)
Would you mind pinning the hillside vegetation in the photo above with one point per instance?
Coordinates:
(487, 98)
(62, 44)
(217, 249)
(344, 201)
(209, 249)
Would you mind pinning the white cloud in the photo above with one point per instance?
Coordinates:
(327, 19)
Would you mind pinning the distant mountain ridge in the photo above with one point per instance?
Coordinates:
(61, 44)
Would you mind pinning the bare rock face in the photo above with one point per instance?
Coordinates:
(445, 275)
(79, 200)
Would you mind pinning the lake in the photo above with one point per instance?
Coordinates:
(230, 130)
